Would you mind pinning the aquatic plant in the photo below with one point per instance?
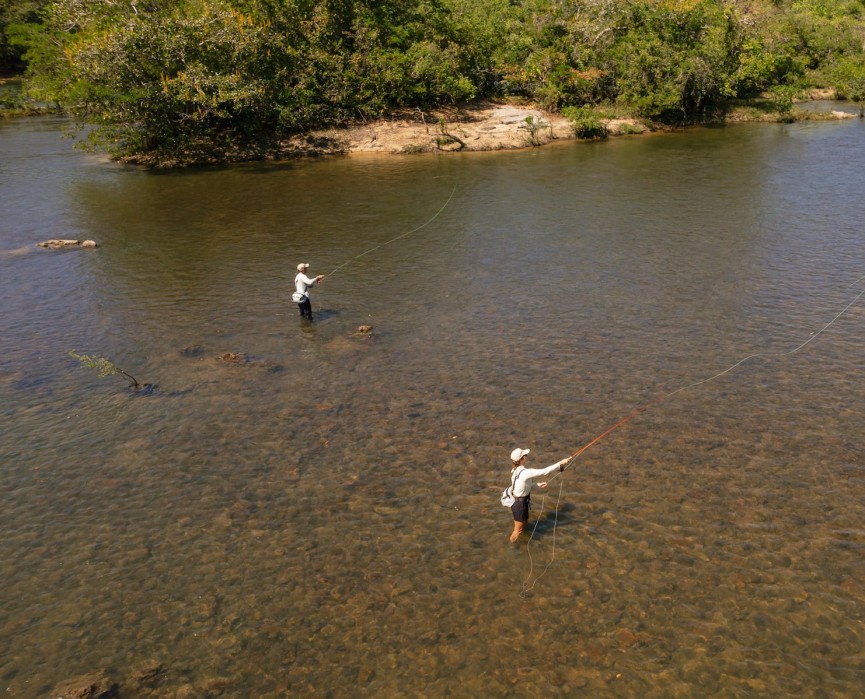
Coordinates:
(107, 368)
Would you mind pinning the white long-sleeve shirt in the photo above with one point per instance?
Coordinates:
(302, 283)
(526, 478)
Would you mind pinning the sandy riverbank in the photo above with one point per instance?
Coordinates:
(483, 127)
(486, 126)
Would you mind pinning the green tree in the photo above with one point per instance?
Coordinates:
(174, 81)
(760, 66)
(14, 14)
(781, 97)
(673, 60)
(849, 76)
(202, 80)
(493, 38)
(823, 30)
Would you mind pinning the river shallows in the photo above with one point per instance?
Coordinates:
(320, 517)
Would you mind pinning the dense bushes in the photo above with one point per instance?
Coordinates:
(213, 78)
(849, 78)
(196, 79)
(15, 13)
(587, 124)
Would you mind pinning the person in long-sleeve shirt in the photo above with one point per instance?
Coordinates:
(523, 480)
(302, 284)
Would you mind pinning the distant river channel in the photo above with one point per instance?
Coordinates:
(305, 510)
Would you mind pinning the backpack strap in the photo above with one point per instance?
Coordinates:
(514, 475)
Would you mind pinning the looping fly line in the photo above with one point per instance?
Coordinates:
(393, 240)
(640, 411)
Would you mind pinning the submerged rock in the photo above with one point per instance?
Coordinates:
(93, 686)
(60, 243)
(235, 357)
(148, 673)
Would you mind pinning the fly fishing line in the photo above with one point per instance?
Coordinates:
(641, 410)
(399, 237)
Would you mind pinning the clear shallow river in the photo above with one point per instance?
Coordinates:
(319, 516)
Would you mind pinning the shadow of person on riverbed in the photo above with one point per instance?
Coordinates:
(549, 518)
(322, 315)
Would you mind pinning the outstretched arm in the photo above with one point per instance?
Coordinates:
(538, 472)
(559, 465)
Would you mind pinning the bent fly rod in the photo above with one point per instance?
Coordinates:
(639, 411)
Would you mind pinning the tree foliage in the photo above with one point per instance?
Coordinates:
(849, 78)
(14, 16)
(203, 79)
(197, 80)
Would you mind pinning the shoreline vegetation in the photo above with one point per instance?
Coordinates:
(481, 126)
(187, 82)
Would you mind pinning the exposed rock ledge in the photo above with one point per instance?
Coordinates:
(484, 127)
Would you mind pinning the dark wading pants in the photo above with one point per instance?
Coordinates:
(305, 308)
(521, 508)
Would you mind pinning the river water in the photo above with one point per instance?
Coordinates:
(301, 510)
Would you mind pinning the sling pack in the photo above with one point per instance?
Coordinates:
(508, 497)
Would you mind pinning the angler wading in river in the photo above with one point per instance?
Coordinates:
(522, 480)
(302, 284)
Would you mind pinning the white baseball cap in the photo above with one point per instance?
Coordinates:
(518, 454)
(302, 266)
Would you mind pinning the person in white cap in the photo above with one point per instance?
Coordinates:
(302, 283)
(523, 479)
